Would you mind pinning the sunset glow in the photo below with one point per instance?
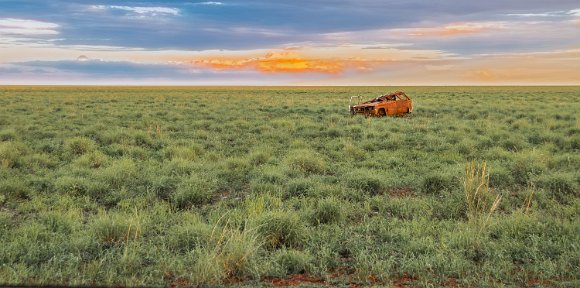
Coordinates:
(198, 43)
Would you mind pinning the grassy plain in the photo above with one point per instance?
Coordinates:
(252, 185)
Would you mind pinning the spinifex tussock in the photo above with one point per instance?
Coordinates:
(479, 197)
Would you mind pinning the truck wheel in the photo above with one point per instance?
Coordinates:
(382, 112)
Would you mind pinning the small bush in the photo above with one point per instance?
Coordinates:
(328, 211)
(80, 145)
(281, 229)
(197, 190)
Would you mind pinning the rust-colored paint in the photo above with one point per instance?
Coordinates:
(389, 104)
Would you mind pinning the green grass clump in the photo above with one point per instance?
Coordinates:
(11, 153)
(292, 262)
(301, 187)
(196, 190)
(562, 187)
(189, 236)
(479, 197)
(115, 229)
(281, 229)
(306, 161)
(367, 181)
(7, 135)
(328, 211)
(436, 183)
(80, 145)
(230, 253)
(13, 189)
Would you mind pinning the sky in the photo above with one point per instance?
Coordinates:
(300, 42)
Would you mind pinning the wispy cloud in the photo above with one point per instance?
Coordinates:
(25, 27)
(573, 12)
(454, 29)
(139, 10)
(209, 3)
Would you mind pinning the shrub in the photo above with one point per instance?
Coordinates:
(197, 190)
(80, 145)
(328, 211)
(281, 229)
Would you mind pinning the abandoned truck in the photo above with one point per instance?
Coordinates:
(389, 104)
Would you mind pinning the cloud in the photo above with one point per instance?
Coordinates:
(320, 59)
(25, 27)
(209, 3)
(285, 61)
(565, 13)
(454, 29)
(139, 10)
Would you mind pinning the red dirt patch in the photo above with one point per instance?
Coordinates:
(404, 281)
(180, 282)
(295, 280)
(532, 282)
(401, 192)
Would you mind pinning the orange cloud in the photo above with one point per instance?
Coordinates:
(284, 61)
(456, 29)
